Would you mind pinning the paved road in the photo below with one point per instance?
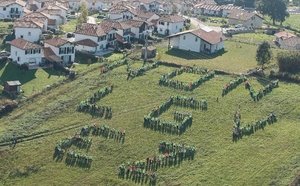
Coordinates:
(199, 24)
(91, 20)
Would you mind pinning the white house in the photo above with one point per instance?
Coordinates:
(149, 5)
(30, 30)
(62, 48)
(56, 12)
(102, 34)
(245, 18)
(200, 40)
(25, 52)
(10, 9)
(121, 12)
(170, 24)
(86, 45)
(41, 17)
(288, 41)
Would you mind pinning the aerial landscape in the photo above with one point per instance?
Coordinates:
(150, 92)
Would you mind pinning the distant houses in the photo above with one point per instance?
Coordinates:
(288, 41)
(202, 40)
(170, 24)
(11, 9)
(245, 18)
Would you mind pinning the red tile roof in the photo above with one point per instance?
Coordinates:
(56, 41)
(209, 36)
(24, 45)
(87, 42)
(50, 55)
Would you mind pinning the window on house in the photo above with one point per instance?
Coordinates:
(29, 33)
(196, 39)
(4, 8)
(21, 36)
(183, 37)
(18, 58)
(26, 52)
(16, 53)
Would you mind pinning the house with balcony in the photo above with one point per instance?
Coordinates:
(102, 34)
(62, 48)
(170, 24)
(25, 52)
(11, 9)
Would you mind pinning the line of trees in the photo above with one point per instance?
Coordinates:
(289, 61)
(276, 9)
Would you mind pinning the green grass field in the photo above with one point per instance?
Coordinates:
(32, 81)
(293, 21)
(238, 57)
(70, 26)
(269, 157)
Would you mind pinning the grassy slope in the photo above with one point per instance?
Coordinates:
(32, 80)
(269, 156)
(238, 57)
(293, 21)
(70, 26)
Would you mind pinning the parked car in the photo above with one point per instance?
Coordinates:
(4, 55)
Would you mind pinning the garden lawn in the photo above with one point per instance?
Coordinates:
(293, 21)
(255, 38)
(32, 81)
(187, 78)
(269, 157)
(238, 57)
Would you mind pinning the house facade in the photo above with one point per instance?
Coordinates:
(30, 30)
(62, 48)
(245, 18)
(104, 36)
(170, 24)
(288, 41)
(25, 52)
(199, 40)
(121, 12)
(11, 9)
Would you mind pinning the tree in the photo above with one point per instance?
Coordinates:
(276, 9)
(82, 18)
(263, 54)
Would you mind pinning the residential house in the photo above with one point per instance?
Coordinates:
(170, 24)
(43, 17)
(56, 12)
(214, 9)
(62, 48)
(148, 5)
(30, 30)
(121, 12)
(245, 18)
(86, 45)
(288, 41)
(25, 52)
(101, 34)
(11, 9)
(200, 40)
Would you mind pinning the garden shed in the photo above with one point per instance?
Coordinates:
(12, 87)
(151, 52)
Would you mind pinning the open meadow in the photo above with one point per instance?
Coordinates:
(268, 157)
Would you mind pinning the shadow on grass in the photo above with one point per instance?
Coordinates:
(12, 72)
(189, 55)
(52, 72)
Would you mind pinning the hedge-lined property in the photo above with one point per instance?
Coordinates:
(90, 106)
(144, 171)
(166, 79)
(239, 131)
(256, 96)
(233, 84)
(181, 122)
(108, 67)
(132, 73)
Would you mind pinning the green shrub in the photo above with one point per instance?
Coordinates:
(289, 61)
